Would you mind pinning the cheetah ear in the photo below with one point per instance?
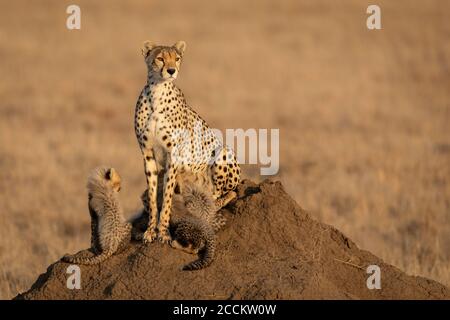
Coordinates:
(180, 46)
(112, 175)
(109, 173)
(147, 47)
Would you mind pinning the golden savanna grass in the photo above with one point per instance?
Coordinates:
(363, 115)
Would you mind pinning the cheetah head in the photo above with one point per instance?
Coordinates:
(163, 62)
(102, 178)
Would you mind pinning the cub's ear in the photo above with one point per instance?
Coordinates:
(112, 175)
(146, 48)
(180, 46)
(109, 173)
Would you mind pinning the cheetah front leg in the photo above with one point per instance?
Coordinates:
(169, 187)
(151, 174)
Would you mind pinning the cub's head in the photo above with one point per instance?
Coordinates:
(113, 178)
(163, 62)
(103, 179)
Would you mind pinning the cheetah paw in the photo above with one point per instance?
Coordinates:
(164, 237)
(149, 236)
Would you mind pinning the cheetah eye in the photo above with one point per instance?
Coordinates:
(177, 59)
(160, 59)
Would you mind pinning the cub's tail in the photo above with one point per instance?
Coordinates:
(206, 256)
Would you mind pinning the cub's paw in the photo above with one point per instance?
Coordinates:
(149, 236)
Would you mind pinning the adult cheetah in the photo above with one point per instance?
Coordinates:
(174, 139)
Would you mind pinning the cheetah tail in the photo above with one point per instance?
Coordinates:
(206, 257)
(87, 260)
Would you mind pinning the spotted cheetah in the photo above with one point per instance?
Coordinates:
(109, 232)
(174, 139)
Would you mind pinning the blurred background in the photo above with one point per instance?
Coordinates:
(363, 115)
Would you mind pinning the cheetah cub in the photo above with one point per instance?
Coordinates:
(174, 139)
(193, 225)
(109, 231)
(195, 232)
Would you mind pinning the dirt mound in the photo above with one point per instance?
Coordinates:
(270, 249)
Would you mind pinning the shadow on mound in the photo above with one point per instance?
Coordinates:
(270, 249)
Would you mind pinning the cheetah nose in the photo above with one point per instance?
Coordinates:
(171, 71)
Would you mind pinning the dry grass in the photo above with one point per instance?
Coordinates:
(363, 115)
